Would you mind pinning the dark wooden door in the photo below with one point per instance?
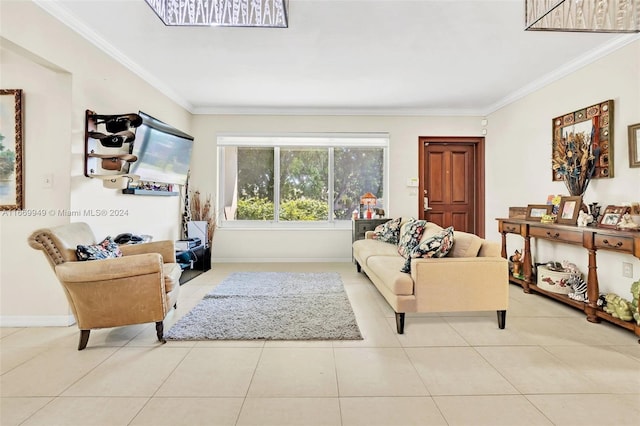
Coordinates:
(449, 173)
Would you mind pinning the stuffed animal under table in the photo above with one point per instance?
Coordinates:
(618, 307)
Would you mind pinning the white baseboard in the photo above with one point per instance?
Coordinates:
(37, 321)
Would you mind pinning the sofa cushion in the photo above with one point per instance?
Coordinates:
(106, 249)
(430, 230)
(466, 245)
(387, 269)
(388, 232)
(437, 245)
(364, 249)
(410, 237)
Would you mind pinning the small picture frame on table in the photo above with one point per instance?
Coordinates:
(611, 216)
(569, 210)
(536, 211)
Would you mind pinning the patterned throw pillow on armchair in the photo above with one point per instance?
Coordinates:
(107, 249)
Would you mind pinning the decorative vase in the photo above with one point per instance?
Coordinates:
(577, 187)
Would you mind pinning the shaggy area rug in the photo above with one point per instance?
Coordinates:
(271, 306)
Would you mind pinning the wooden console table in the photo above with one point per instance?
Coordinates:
(592, 239)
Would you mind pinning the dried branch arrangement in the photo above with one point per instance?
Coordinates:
(203, 211)
(575, 161)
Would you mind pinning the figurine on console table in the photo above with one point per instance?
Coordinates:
(584, 219)
(627, 224)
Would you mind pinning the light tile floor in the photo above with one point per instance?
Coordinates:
(548, 367)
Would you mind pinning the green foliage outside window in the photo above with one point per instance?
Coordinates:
(304, 180)
(304, 209)
(299, 210)
(254, 208)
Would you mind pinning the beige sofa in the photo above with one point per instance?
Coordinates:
(472, 277)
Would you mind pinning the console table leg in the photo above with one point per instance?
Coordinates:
(526, 262)
(593, 289)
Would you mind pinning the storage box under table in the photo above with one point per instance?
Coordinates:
(553, 281)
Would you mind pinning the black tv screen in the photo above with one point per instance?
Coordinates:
(164, 152)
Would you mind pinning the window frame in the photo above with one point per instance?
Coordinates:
(296, 140)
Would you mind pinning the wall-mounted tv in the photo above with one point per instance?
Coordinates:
(164, 152)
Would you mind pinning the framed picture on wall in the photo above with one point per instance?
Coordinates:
(569, 210)
(590, 126)
(634, 145)
(11, 150)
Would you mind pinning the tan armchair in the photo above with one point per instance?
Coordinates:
(139, 287)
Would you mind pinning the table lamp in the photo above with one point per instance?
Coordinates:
(368, 199)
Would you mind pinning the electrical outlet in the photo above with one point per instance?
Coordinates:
(627, 270)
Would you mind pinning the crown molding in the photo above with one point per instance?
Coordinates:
(61, 13)
(564, 71)
(418, 112)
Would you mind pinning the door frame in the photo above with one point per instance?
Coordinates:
(479, 188)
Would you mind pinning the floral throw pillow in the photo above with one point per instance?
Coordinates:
(107, 249)
(411, 234)
(436, 246)
(388, 232)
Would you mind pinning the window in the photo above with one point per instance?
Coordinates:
(288, 180)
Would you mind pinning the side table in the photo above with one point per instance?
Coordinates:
(200, 264)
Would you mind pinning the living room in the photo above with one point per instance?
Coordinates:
(67, 82)
(62, 74)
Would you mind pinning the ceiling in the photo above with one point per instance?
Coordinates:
(427, 57)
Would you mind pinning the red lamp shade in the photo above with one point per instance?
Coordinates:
(368, 199)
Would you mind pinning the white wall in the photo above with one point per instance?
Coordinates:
(317, 245)
(27, 282)
(62, 75)
(519, 172)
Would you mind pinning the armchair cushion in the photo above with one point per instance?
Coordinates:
(107, 249)
(172, 273)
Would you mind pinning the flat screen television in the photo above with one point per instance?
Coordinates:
(164, 152)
